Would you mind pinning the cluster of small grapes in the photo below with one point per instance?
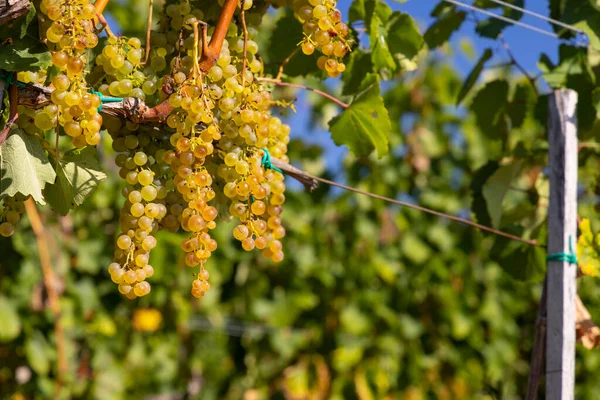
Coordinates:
(254, 193)
(11, 210)
(256, 197)
(121, 61)
(144, 208)
(196, 130)
(72, 26)
(175, 40)
(193, 183)
(72, 32)
(325, 31)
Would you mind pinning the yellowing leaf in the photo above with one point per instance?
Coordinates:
(587, 250)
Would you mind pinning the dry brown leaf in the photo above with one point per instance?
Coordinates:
(588, 333)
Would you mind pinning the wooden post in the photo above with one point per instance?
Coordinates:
(562, 237)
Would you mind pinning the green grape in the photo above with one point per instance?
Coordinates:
(7, 229)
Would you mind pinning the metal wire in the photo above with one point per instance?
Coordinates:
(540, 16)
(503, 18)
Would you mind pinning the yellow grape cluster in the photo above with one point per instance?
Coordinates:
(121, 61)
(11, 210)
(73, 107)
(221, 120)
(323, 31)
(145, 206)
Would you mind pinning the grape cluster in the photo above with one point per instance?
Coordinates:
(121, 61)
(73, 107)
(325, 31)
(11, 210)
(145, 206)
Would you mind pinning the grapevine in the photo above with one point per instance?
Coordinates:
(205, 157)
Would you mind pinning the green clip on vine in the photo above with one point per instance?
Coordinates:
(105, 99)
(266, 161)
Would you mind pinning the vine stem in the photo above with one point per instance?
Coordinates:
(49, 282)
(244, 60)
(13, 96)
(304, 176)
(148, 31)
(213, 49)
(278, 82)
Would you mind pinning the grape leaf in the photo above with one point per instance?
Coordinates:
(522, 104)
(24, 166)
(357, 11)
(449, 20)
(404, 37)
(473, 75)
(573, 60)
(587, 249)
(365, 124)
(492, 27)
(78, 173)
(520, 260)
(359, 65)
(478, 203)
(490, 106)
(495, 188)
(9, 320)
(381, 56)
(20, 46)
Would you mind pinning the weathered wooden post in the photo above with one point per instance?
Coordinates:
(562, 238)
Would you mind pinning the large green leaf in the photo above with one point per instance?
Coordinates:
(490, 106)
(358, 66)
(78, 173)
(24, 166)
(521, 261)
(495, 188)
(479, 204)
(404, 37)
(9, 320)
(522, 104)
(357, 11)
(449, 21)
(573, 60)
(377, 16)
(20, 45)
(365, 124)
(492, 27)
(473, 75)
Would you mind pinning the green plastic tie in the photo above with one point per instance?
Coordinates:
(9, 77)
(266, 161)
(569, 257)
(105, 99)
